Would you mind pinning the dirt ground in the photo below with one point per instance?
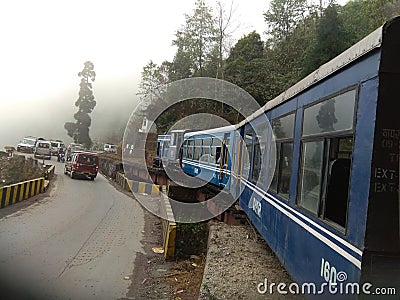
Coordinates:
(238, 261)
(156, 278)
(17, 168)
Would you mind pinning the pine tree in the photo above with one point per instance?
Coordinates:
(79, 130)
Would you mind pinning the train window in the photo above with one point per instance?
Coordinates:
(206, 151)
(256, 162)
(216, 150)
(285, 169)
(184, 149)
(338, 179)
(311, 175)
(206, 146)
(325, 177)
(248, 153)
(190, 149)
(173, 139)
(326, 159)
(334, 114)
(226, 151)
(197, 149)
(283, 129)
(159, 147)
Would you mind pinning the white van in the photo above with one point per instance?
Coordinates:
(42, 149)
(110, 148)
(56, 147)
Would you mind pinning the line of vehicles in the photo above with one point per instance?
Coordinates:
(321, 184)
(78, 162)
(40, 147)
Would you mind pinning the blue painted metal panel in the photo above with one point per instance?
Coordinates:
(210, 172)
(360, 71)
(283, 109)
(361, 164)
(299, 244)
(299, 239)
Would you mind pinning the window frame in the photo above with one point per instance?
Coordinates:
(327, 150)
(281, 142)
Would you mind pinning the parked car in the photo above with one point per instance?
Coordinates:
(27, 144)
(57, 146)
(82, 164)
(42, 149)
(111, 148)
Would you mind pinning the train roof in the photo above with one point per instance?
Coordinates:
(163, 137)
(361, 48)
(211, 131)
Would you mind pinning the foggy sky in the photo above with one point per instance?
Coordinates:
(46, 117)
(45, 44)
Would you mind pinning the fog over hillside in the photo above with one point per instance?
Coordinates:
(46, 117)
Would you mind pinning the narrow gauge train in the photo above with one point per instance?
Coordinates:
(162, 149)
(331, 212)
(205, 154)
(171, 152)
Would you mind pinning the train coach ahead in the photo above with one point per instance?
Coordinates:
(205, 155)
(331, 212)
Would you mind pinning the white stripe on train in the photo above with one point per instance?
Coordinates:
(324, 239)
(284, 208)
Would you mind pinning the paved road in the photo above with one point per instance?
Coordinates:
(78, 241)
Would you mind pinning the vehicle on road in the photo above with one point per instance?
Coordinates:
(57, 146)
(61, 156)
(84, 164)
(42, 149)
(111, 148)
(27, 144)
(74, 147)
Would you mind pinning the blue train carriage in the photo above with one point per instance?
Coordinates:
(171, 156)
(162, 152)
(331, 213)
(206, 155)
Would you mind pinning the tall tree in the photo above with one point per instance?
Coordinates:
(153, 79)
(224, 22)
(197, 39)
(283, 16)
(363, 16)
(245, 64)
(79, 130)
(330, 40)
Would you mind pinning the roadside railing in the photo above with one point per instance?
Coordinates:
(18, 192)
(168, 220)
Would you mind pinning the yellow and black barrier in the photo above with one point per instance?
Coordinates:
(143, 187)
(169, 226)
(168, 219)
(137, 186)
(49, 172)
(18, 192)
(120, 179)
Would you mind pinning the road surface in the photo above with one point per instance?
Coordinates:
(77, 241)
